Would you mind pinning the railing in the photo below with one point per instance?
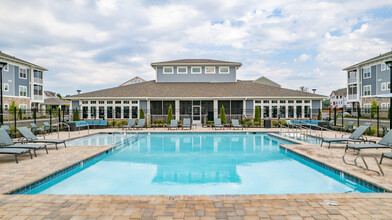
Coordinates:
(58, 129)
(38, 97)
(38, 80)
(88, 127)
(353, 96)
(352, 80)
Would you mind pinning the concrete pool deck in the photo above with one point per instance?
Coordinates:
(297, 206)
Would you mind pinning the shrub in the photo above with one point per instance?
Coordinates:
(249, 123)
(275, 123)
(210, 123)
(371, 132)
(223, 115)
(76, 115)
(158, 122)
(20, 113)
(319, 116)
(257, 114)
(169, 114)
(141, 113)
(373, 109)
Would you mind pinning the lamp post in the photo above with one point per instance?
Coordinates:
(2, 64)
(389, 64)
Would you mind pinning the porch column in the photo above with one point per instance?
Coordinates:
(287, 111)
(303, 111)
(148, 111)
(177, 110)
(244, 108)
(216, 109)
(295, 111)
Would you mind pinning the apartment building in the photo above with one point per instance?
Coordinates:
(338, 99)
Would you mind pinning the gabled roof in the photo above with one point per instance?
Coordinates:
(133, 80)
(340, 92)
(379, 57)
(50, 94)
(152, 89)
(56, 101)
(264, 80)
(195, 62)
(12, 58)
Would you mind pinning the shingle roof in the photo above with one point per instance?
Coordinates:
(56, 101)
(195, 62)
(381, 56)
(6, 56)
(340, 92)
(132, 81)
(152, 89)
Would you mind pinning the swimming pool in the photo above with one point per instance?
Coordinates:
(304, 138)
(197, 164)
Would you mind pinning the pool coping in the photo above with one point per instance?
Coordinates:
(60, 172)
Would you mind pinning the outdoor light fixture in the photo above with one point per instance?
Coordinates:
(2, 64)
(389, 63)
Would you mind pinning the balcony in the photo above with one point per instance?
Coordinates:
(38, 80)
(352, 96)
(38, 97)
(352, 80)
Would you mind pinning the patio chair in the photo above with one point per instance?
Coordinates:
(350, 125)
(218, 123)
(173, 124)
(30, 137)
(384, 130)
(141, 123)
(386, 155)
(7, 129)
(236, 124)
(35, 129)
(131, 124)
(47, 127)
(186, 123)
(6, 142)
(15, 152)
(354, 137)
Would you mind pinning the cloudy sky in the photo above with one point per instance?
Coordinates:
(96, 44)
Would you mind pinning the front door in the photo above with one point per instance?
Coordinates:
(196, 115)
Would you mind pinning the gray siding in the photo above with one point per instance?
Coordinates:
(8, 77)
(143, 105)
(370, 81)
(21, 82)
(382, 77)
(189, 77)
(315, 106)
(249, 107)
(75, 104)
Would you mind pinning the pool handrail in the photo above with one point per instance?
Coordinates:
(58, 130)
(88, 126)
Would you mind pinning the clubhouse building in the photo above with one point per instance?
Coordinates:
(197, 89)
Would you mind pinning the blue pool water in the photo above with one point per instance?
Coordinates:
(194, 164)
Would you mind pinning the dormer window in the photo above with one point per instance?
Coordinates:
(196, 70)
(223, 70)
(210, 70)
(167, 70)
(182, 70)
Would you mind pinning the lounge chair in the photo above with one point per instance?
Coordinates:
(15, 152)
(30, 137)
(47, 127)
(354, 137)
(386, 155)
(236, 124)
(384, 130)
(186, 123)
(34, 128)
(7, 129)
(141, 123)
(131, 124)
(6, 142)
(350, 125)
(218, 123)
(173, 124)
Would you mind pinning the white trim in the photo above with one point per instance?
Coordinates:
(20, 91)
(221, 67)
(370, 73)
(8, 87)
(205, 69)
(195, 67)
(196, 98)
(186, 70)
(23, 107)
(383, 86)
(20, 73)
(6, 107)
(370, 90)
(5, 68)
(168, 67)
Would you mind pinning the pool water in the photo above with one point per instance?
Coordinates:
(197, 164)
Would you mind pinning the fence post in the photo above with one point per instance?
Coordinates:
(358, 114)
(334, 116)
(35, 115)
(342, 117)
(378, 121)
(329, 111)
(63, 116)
(15, 120)
(50, 120)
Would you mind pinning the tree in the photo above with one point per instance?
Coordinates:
(76, 115)
(20, 113)
(223, 115)
(319, 116)
(169, 114)
(303, 89)
(325, 104)
(13, 108)
(59, 95)
(373, 109)
(257, 114)
(141, 115)
(34, 113)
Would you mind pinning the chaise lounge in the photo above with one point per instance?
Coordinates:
(186, 123)
(7, 142)
(141, 123)
(30, 137)
(235, 123)
(354, 137)
(173, 124)
(131, 124)
(218, 123)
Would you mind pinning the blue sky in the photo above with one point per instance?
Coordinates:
(97, 44)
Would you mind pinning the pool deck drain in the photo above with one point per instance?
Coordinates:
(299, 206)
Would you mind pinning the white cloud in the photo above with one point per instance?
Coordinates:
(106, 7)
(302, 57)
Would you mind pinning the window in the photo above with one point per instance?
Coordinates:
(23, 108)
(291, 101)
(134, 102)
(307, 101)
(117, 102)
(6, 107)
(366, 73)
(5, 68)
(274, 101)
(101, 102)
(93, 102)
(23, 91)
(38, 90)
(167, 70)
(126, 102)
(388, 86)
(182, 70)
(265, 101)
(383, 66)
(84, 102)
(109, 102)
(224, 70)
(367, 90)
(366, 108)
(383, 86)
(6, 87)
(37, 74)
(22, 73)
(298, 101)
(282, 101)
(196, 70)
(210, 70)
(258, 101)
